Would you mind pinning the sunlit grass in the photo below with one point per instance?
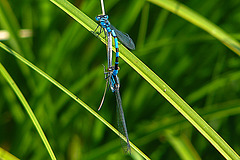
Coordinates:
(197, 66)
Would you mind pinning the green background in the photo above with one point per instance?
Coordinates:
(198, 67)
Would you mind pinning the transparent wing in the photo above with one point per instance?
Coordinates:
(121, 123)
(124, 38)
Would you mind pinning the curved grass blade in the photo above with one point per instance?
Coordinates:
(29, 64)
(200, 21)
(9, 21)
(158, 84)
(28, 109)
(6, 155)
(182, 146)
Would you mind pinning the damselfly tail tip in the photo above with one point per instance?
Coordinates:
(100, 106)
(128, 150)
(103, 95)
(101, 102)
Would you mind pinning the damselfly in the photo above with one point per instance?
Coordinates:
(112, 71)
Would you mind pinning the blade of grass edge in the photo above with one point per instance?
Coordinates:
(28, 109)
(181, 146)
(15, 54)
(179, 104)
(157, 83)
(9, 21)
(200, 21)
(6, 155)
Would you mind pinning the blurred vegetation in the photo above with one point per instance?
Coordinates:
(202, 70)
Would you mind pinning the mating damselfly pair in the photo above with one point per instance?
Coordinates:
(111, 77)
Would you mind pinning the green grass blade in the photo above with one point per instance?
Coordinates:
(79, 16)
(180, 105)
(9, 21)
(70, 94)
(159, 84)
(28, 109)
(143, 26)
(6, 155)
(213, 86)
(182, 147)
(200, 21)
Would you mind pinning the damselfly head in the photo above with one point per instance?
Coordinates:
(105, 16)
(116, 86)
(110, 69)
(99, 17)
